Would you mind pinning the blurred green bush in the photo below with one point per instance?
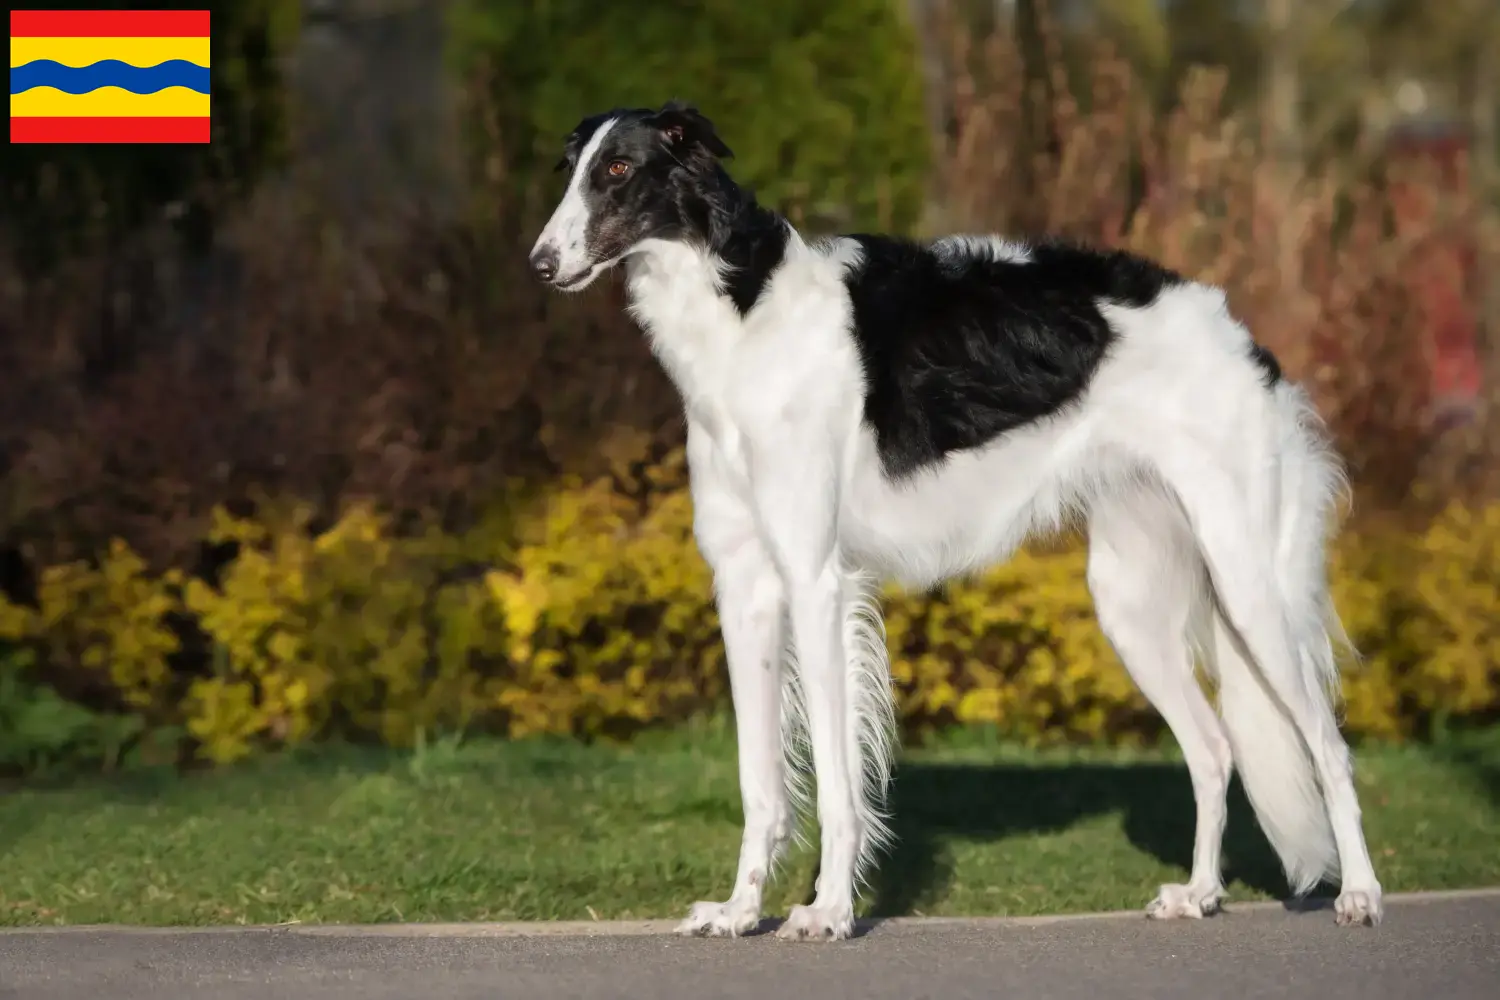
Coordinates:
(821, 102)
(41, 730)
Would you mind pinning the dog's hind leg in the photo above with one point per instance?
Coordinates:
(751, 612)
(1261, 515)
(1152, 596)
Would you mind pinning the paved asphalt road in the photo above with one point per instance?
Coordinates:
(1429, 948)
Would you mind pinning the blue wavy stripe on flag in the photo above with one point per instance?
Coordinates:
(109, 73)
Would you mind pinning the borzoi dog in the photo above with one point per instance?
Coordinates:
(864, 407)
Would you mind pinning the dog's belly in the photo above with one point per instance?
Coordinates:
(969, 513)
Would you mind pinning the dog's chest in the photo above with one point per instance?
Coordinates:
(693, 330)
(722, 361)
(783, 373)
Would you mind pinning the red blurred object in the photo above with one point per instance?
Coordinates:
(1444, 271)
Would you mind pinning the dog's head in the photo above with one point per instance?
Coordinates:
(633, 175)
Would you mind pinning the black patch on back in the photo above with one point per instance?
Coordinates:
(1270, 368)
(958, 349)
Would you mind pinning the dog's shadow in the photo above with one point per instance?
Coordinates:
(932, 803)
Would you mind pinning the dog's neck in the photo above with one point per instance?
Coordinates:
(738, 241)
(692, 293)
(741, 230)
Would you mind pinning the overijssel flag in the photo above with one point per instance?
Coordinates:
(109, 76)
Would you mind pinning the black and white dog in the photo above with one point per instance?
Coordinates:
(864, 407)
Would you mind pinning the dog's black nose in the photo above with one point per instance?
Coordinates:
(544, 264)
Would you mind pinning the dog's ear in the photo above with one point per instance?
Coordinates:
(686, 127)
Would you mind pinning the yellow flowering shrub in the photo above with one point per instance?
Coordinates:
(351, 623)
(609, 609)
(1425, 614)
(109, 619)
(589, 611)
(262, 677)
(1458, 634)
(1015, 647)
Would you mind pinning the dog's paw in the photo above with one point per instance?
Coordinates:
(817, 923)
(729, 919)
(1358, 908)
(1179, 902)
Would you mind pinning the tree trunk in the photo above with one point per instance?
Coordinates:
(376, 130)
(1284, 130)
(1037, 100)
(934, 75)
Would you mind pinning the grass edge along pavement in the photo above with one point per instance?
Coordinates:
(556, 830)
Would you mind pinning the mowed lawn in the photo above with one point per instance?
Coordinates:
(558, 830)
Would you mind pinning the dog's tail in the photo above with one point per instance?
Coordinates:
(1273, 760)
(871, 731)
(870, 725)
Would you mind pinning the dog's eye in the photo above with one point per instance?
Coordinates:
(619, 168)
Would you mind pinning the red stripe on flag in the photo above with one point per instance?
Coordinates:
(109, 24)
(135, 130)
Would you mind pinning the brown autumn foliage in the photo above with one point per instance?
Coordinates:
(1344, 275)
(425, 369)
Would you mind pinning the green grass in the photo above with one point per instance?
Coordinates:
(536, 830)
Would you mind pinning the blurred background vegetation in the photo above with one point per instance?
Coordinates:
(292, 447)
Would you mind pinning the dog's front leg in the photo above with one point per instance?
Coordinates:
(795, 486)
(751, 605)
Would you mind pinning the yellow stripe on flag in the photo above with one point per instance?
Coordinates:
(87, 51)
(109, 102)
